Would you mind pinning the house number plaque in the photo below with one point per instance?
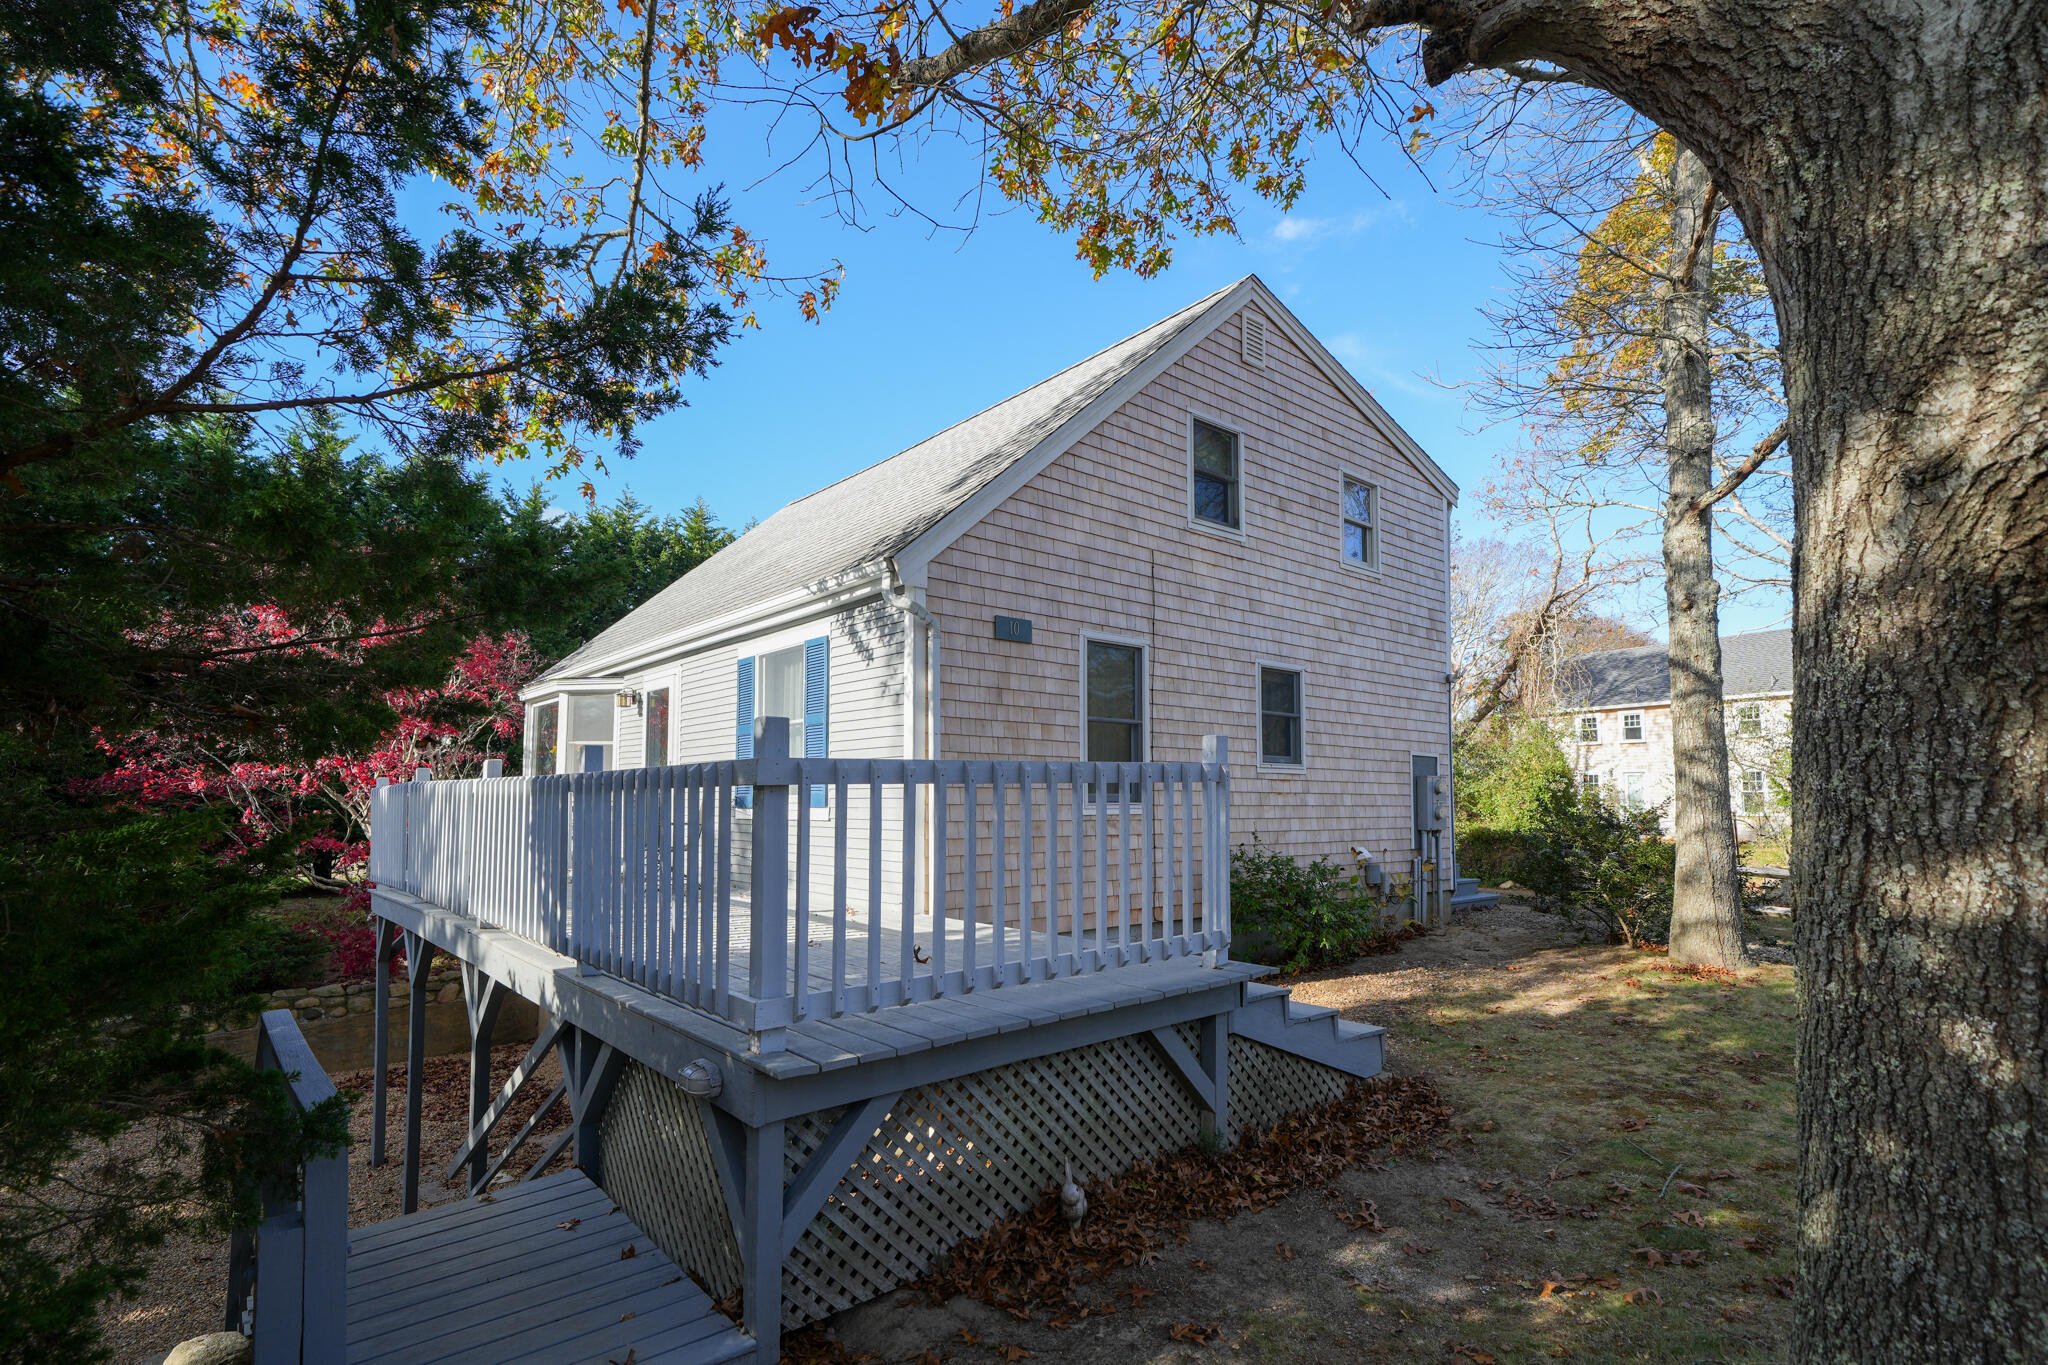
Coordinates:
(1016, 629)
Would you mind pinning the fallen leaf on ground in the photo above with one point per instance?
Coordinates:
(628, 1252)
(968, 1338)
(1201, 1334)
(1199, 1264)
(1642, 1294)
(1283, 1251)
(568, 1223)
(1138, 1294)
(1735, 1312)
(1013, 1353)
(1417, 1249)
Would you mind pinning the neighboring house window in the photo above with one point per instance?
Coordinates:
(1113, 695)
(793, 683)
(1632, 791)
(1280, 716)
(1589, 729)
(1753, 791)
(547, 722)
(590, 730)
(1749, 718)
(656, 752)
(1216, 476)
(1632, 725)
(1589, 783)
(1361, 523)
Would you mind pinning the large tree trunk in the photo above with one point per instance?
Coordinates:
(1890, 160)
(1706, 907)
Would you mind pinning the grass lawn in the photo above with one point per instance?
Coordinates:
(1618, 1186)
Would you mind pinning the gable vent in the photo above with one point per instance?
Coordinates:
(1252, 333)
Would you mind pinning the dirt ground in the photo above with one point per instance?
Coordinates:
(1619, 1188)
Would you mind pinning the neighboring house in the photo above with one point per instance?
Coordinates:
(1617, 724)
(1207, 528)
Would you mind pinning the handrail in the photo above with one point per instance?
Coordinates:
(288, 1277)
(813, 895)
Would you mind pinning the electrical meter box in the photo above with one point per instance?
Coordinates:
(1432, 802)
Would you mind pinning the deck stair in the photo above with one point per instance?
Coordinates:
(1467, 896)
(1271, 1015)
(537, 1274)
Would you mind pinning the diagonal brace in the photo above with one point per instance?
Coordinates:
(821, 1175)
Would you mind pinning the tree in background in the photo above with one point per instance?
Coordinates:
(1638, 346)
(622, 555)
(1883, 157)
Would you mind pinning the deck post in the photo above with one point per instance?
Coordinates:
(768, 943)
(591, 1067)
(385, 935)
(419, 959)
(483, 998)
(1216, 848)
(1213, 1051)
(761, 1241)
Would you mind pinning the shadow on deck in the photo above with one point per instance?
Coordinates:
(549, 1272)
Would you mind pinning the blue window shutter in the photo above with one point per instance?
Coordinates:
(743, 746)
(817, 704)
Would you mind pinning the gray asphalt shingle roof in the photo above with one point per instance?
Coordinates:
(1758, 661)
(846, 530)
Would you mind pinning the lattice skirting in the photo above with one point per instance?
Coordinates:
(951, 1160)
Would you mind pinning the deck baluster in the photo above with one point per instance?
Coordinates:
(970, 905)
(999, 871)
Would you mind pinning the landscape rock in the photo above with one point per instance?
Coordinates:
(215, 1348)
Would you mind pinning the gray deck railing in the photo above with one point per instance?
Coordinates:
(771, 890)
(288, 1276)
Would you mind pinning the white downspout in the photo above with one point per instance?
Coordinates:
(1447, 857)
(920, 693)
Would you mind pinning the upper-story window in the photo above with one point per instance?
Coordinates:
(1631, 725)
(1216, 476)
(1589, 729)
(1361, 523)
(1280, 717)
(1749, 718)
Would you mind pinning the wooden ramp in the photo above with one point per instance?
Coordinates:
(548, 1273)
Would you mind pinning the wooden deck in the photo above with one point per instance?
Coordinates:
(546, 1273)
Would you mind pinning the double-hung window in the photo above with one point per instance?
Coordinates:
(1280, 717)
(1216, 479)
(793, 683)
(1749, 718)
(1589, 783)
(1753, 791)
(655, 752)
(590, 731)
(1113, 701)
(1361, 523)
(1632, 725)
(1589, 729)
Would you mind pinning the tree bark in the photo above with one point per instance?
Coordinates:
(1706, 906)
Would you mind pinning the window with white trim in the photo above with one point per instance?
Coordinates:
(1280, 717)
(1632, 725)
(1589, 729)
(591, 721)
(545, 726)
(1633, 796)
(1749, 718)
(1589, 783)
(1113, 706)
(1215, 476)
(1753, 802)
(654, 710)
(1361, 523)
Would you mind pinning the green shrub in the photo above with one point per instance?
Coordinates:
(1494, 856)
(276, 955)
(1297, 915)
(1503, 771)
(1587, 857)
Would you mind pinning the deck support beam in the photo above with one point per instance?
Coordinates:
(761, 1240)
(385, 936)
(475, 1145)
(591, 1069)
(1213, 1048)
(483, 999)
(419, 960)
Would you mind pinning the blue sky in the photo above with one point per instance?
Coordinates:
(932, 326)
